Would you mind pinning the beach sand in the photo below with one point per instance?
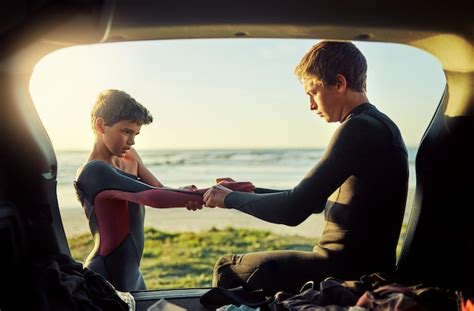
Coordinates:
(180, 219)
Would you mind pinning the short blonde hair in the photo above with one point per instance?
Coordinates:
(325, 60)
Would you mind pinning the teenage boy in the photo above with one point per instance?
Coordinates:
(360, 183)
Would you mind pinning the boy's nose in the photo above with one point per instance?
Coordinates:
(312, 104)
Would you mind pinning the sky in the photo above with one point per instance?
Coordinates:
(223, 93)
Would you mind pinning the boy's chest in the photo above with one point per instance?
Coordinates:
(127, 165)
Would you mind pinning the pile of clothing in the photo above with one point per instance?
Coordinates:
(376, 291)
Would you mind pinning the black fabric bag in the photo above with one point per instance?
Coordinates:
(60, 283)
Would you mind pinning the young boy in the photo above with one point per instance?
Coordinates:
(113, 185)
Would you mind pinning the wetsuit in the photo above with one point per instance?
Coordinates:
(112, 200)
(361, 185)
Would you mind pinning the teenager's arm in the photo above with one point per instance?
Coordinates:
(265, 190)
(255, 189)
(348, 148)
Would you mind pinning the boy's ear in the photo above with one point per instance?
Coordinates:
(100, 125)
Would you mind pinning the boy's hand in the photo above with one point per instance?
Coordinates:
(193, 205)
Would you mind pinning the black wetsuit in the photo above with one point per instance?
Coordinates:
(120, 263)
(360, 183)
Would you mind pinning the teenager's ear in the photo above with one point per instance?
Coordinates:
(341, 83)
(100, 125)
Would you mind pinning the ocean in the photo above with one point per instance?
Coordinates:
(268, 168)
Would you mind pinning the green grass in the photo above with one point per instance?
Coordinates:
(179, 260)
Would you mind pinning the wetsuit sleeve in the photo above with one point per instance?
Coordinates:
(343, 157)
(98, 176)
(166, 197)
(265, 190)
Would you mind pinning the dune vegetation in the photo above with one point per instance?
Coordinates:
(186, 259)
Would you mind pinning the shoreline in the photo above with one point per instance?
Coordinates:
(181, 220)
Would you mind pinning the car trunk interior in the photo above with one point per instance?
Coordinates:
(30, 221)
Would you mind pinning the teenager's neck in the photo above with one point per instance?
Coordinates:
(355, 99)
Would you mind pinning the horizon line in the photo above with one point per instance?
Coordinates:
(218, 148)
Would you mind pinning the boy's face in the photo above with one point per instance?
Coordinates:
(120, 137)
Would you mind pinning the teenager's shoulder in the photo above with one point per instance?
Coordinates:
(359, 129)
(370, 119)
(357, 124)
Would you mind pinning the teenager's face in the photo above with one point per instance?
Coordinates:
(323, 99)
(120, 137)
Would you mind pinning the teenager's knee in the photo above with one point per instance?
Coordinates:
(244, 270)
(229, 272)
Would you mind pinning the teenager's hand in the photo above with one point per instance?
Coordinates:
(215, 196)
(193, 205)
(245, 186)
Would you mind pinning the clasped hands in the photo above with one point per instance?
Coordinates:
(214, 196)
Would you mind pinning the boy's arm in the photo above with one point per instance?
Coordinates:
(144, 173)
(167, 197)
(100, 181)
